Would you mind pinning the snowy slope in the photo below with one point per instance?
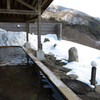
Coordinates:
(86, 54)
(57, 8)
(68, 15)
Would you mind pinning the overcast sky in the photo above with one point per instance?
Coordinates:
(91, 7)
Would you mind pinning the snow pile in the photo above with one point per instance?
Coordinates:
(86, 54)
(12, 38)
(16, 38)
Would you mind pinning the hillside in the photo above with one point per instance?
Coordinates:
(77, 26)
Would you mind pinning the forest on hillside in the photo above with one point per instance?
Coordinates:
(83, 34)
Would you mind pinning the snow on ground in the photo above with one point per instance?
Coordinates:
(12, 38)
(86, 54)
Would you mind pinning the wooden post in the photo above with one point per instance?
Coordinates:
(93, 76)
(27, 31)
(39, 25)
(27, 44)
(8, 4)
(59, 31)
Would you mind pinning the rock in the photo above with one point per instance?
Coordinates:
(64, 69)
(55, 45)
(58, 62)
(46, 40)
(72, 76)
(77, 86)
(51, 54)
(73, 54)
(97, 89)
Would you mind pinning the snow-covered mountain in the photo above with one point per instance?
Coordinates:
(68, 15)
(57, 8)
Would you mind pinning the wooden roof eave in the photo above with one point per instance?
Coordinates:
(21, 7)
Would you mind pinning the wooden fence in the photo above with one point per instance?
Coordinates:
(46, 28)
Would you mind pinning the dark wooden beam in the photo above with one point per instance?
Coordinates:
(45, 1)
(22, 12)
(45, 4)
(12, 19)
(33, 2)
(26, 4)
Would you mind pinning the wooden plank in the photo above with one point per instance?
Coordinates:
(62, 88)
(26, 4)
(22, 12)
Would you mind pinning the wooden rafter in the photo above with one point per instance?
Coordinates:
(26, 4)
(45, 1)
(23, 12)
(31, 20)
